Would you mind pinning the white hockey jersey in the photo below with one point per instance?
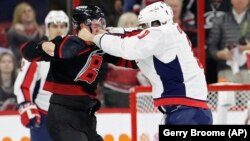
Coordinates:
(164, 55)
(29, 84)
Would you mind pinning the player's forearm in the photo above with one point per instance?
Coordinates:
(31, 51)
(124, 32)
(110, 44)
(130, 48)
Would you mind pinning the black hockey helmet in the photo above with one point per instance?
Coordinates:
(85, 14)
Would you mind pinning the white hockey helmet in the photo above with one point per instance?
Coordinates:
(55, 16)
(157, 12)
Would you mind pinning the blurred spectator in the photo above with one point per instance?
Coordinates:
(128, 19)
(7, 8)
(226, 39)
(8, 74)
(24, 28)
(213, 10)
(118, 4)
(224, 42)
(119, 80)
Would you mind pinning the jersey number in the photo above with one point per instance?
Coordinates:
(89, 73)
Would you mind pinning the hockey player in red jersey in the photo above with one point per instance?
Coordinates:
(74, 72)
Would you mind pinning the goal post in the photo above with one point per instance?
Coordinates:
(133, 108)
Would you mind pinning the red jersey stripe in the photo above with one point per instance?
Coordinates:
(28, 81)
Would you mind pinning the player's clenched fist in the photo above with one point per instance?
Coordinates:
(49, 48)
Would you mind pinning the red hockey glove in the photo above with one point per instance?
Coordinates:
(30, 116)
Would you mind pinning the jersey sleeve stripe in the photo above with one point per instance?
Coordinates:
(25, 86)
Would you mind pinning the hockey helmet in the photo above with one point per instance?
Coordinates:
(85, 14)
(158, 12)
(56, 16)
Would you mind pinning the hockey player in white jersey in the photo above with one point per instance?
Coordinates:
(33, 100)
(163, 54)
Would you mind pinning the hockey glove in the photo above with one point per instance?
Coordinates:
(30, 116)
